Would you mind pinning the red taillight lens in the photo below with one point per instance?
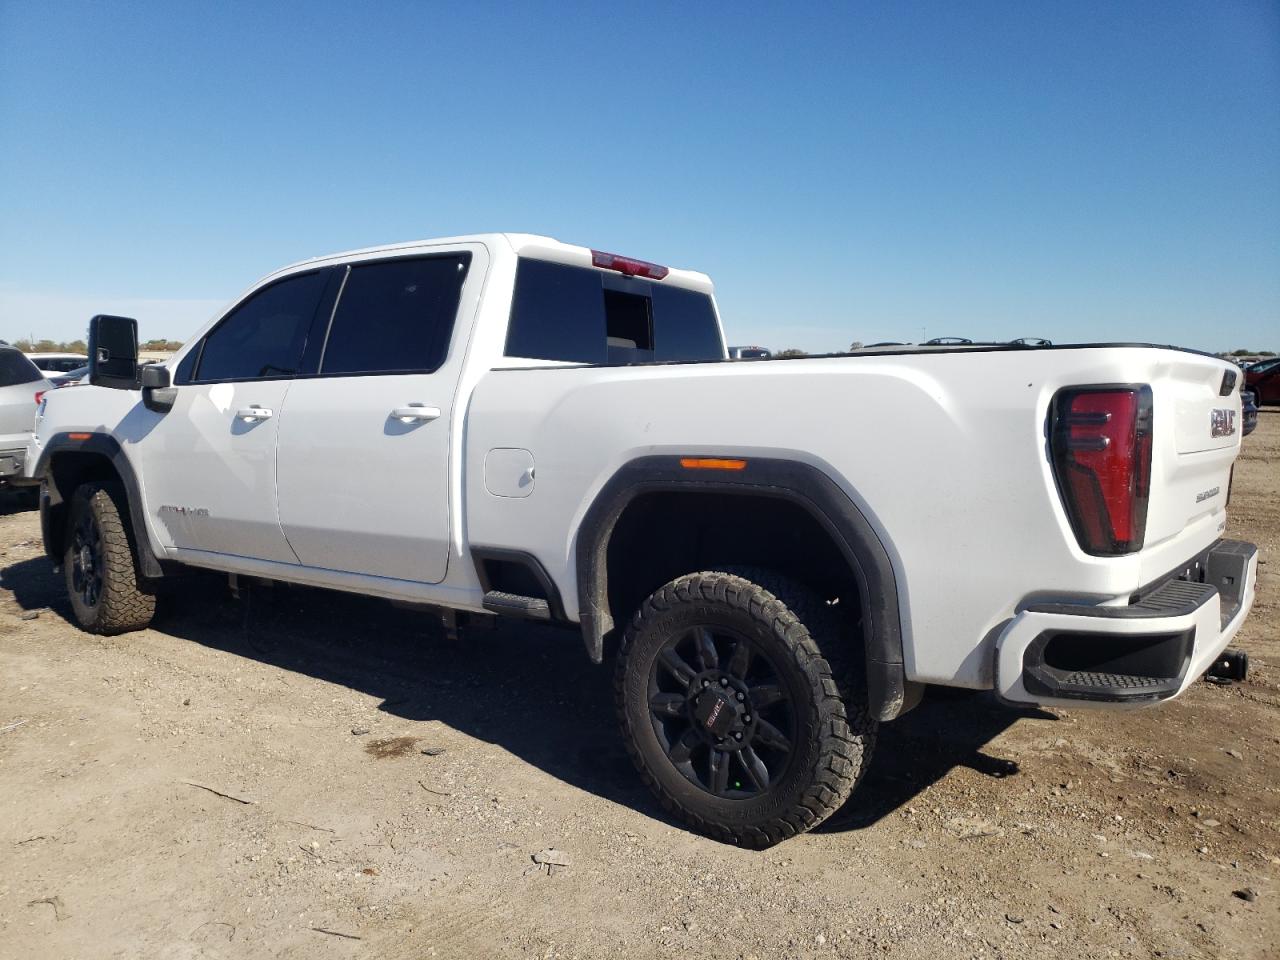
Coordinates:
(625, 265)
(1101, 443)
(40, 396)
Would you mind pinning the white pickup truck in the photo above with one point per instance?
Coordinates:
(782, 554)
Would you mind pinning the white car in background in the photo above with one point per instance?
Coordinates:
(71, 377)
(52, 364)
(22, 387)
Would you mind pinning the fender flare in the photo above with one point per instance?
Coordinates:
(105, 446)
(803, 484)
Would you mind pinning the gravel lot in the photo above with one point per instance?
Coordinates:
(311, 775)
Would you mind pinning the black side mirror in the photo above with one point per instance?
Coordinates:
(158, 392)
(154, 377)
(113, 352)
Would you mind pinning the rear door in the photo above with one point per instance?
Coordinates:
(364, 447)
(209, 463)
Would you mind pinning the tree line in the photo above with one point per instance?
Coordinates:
(79, 346)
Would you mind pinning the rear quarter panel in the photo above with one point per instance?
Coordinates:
(18, 411)
(944, 453)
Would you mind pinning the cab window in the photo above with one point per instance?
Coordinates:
(263, 337)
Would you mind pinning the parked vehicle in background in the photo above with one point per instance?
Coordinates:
(1263, 378)
(50, 364)
(70, 377)
(1248, 412)
(554, 434)
(21, 388)
(953, 344)
(749, 353)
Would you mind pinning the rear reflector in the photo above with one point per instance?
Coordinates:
(1101, 444)
(627, 266)
(711, 463)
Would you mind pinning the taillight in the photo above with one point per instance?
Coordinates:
(628, 266)
(1101, 444)
(40, 396)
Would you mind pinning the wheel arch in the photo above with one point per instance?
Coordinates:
(801, 485)
(71, 459)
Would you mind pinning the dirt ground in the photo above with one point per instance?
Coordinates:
(310, 775)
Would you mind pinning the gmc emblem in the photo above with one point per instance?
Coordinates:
(1222, 423)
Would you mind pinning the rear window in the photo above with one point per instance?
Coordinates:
(16, 368)
(559, 312)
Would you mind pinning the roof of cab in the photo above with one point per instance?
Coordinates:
(522, 244)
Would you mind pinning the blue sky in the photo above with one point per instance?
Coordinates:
(1079, 171)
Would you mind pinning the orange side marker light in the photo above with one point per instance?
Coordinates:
(712, 463)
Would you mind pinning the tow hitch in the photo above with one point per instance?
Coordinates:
(1230, 665)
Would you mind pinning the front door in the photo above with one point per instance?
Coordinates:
(208, 464)
(363, 453)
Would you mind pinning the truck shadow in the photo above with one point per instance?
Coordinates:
(18, 499)
(526, 688)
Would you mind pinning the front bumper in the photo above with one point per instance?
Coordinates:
(1071, 654)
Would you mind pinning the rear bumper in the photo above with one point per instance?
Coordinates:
(12, 460)
(1069, 654)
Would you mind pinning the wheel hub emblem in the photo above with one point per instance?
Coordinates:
(716, 713)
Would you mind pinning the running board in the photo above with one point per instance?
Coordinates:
(515, 605)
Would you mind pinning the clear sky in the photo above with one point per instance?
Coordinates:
(1079, 171)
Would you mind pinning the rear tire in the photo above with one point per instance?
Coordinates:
(732, 714)
(107, 592)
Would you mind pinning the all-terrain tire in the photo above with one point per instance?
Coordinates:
(786, 626)
(107, 591)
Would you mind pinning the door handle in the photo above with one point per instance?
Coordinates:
(415, 413)
(253, 414)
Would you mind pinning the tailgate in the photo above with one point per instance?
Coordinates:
(1196, 439)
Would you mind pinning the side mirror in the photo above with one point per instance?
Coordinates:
(154, 377)
(158, 392)
(113, 352)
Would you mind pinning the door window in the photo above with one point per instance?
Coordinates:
(395, 316)
(263, 338)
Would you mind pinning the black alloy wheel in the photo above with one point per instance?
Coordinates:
(731, 710)
(722, 712)
(85, 554)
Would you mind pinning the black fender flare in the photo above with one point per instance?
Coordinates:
(106, 446)
(801, 483)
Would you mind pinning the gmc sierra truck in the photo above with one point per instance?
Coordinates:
(780, 555)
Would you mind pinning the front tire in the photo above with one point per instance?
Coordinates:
(732, 714)
(106, 590)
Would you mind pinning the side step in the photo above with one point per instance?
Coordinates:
(515, 605)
